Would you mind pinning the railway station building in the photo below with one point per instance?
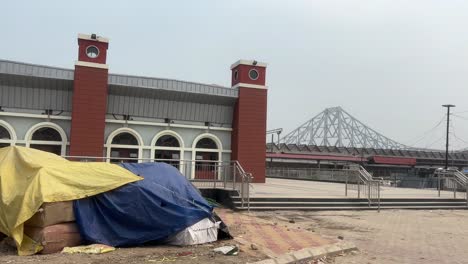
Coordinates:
(89, 113)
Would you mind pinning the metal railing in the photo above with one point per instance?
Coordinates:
(365, 185)
(312, 174)
(227, 175)
(454, 180)
(355, 178)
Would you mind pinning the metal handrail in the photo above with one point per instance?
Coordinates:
(457, 177)
(372, 187)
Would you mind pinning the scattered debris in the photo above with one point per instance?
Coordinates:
(228, 250)
(163, 259)
(89, 249)
(292, 221)
(253, 247)
(183, 254)
(340, 237)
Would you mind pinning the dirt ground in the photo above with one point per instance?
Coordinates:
(149, 254)
(391, 236)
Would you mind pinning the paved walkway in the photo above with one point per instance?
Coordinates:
(297, 188)
(391, 236)
(273, 239)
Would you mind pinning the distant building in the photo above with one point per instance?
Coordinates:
(88, 112)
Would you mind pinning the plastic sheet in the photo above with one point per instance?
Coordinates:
(151, 210)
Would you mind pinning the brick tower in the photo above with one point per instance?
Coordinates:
(250, 115)
(89, 97)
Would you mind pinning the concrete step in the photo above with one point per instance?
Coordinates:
(308, 203)
(349, 204)
(325, 208)
(311, 199)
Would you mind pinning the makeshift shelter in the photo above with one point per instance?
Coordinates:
(161, 205)
(29, 178)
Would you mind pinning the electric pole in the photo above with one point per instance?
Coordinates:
(447, 135)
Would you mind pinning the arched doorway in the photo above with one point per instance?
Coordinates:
(124, 145)
(207, 156)
(47, 139)
(168, 148)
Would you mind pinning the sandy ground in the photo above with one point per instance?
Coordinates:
(391, 236)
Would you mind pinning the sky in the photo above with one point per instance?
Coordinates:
(389, 63)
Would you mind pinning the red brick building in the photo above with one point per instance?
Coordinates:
(87, 112)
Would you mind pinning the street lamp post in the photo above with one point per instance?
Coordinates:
(448, 106)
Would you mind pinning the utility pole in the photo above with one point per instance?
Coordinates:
(447, 135)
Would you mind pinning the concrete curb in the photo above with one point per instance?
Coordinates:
(311, 253)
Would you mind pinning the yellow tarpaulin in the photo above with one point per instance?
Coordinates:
(30, 177)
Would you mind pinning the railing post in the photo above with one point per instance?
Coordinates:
(242, 192)
(438, 183)
(346, 185)
(358, 188)
(234, 176)
(225, 173)
(248, 192)
(369, 196)
(378, 196)
(215, 173)
(454, 189)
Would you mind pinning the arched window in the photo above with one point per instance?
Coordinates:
(207, 155)
(47, 134)
(206, 143)
(48, 137)
(125, 139)
(7, 134)
(168, 141)
(5, 137)
(124, 145)
(168, 147)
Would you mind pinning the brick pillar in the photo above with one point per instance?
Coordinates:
(248, 139)
(89, 97)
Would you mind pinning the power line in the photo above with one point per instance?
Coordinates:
(461, 117)
(460, 112)
(430, 145)
(455, 135)
(425, 134)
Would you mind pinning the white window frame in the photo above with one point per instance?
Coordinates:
(59, 129)
(118, 131)
(11, 131)
(168, 133)
(219, 150)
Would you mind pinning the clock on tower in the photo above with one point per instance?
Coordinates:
(89, 97)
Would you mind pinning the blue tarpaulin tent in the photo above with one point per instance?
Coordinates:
(149, 210)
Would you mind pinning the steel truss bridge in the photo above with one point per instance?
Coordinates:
(334, 127)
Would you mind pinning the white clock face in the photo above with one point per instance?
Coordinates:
(253, 74)
(92, 52)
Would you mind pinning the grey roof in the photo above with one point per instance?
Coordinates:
(119, 80)
(33, 70)
(313, 149)
(38, 87)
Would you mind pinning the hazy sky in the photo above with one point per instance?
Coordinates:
(389, 63)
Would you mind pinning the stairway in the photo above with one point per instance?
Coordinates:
(329, 204)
